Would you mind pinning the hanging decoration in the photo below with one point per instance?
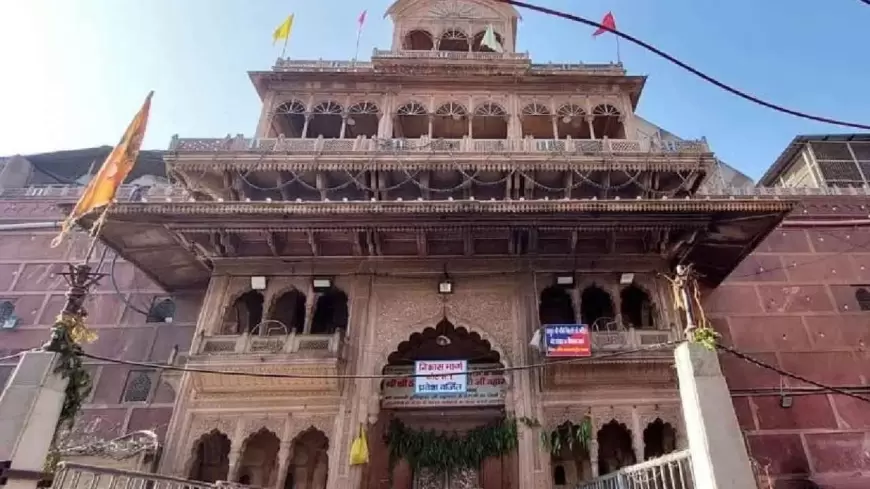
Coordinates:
(443, 452)
(687, 305)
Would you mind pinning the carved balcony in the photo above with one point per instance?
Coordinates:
(391, 146)
(292, 361)
(621, 356)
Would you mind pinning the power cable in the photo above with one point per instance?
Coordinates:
(791, 375)
(698, 73)
(376, 376)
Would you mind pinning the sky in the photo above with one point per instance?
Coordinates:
(73, 72)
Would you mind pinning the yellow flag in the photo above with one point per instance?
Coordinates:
(283, 30)
(100, 191)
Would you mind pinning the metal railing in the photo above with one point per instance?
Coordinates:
(78, 476)
(240, 143)
(673, 471)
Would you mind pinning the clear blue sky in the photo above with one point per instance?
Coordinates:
(72, 73)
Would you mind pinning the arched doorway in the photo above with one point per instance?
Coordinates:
(211, 457)
(442, 440)
(259, 459)
(614, 448)
(309, 461)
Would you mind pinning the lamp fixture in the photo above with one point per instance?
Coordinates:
(445, 285)
(565, 280)
(321, 284)
(626, 279)
(258, 282)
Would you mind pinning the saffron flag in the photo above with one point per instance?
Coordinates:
(489, 40)
(608, 24)
(362, 18)
(100, 191)
(283, 30)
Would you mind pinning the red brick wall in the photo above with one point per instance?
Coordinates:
(792, 304)
(29, 276)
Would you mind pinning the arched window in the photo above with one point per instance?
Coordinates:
(596, 307)
(489, 122)
(330, 312)
(245, 314)
(326, 120)
(450, 121)
(636, 307)
(556, 307)
(418, 40)
(289, 119)
(362, 120)
(862, 295)
(411, 121)
(659, 438)
(606, 123)
(572, 122)
(454, 40)
(289, 309)
(614, 448)
(537, 121)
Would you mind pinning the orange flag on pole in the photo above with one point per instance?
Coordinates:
(100, 191)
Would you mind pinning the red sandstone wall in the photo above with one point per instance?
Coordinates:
(792, 304)
(29, 276)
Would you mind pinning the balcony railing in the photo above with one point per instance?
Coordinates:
(673, 471)
(321, 65)
(629, 338)
(452, 55)
(427, 145)
(71, 193)
(78, 476)
(256, 344)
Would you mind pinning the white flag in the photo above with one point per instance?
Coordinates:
(489, 40)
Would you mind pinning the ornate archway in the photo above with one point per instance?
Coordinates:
(453, 419)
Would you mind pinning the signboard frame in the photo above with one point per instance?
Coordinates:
(567, 341)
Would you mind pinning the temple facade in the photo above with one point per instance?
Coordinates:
(440, 203)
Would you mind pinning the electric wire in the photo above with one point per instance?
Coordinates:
(531, 366)
(690, 69)
(791, 375)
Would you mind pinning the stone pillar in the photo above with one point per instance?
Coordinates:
(637, 436)
(30, 407)
(719, 457)
(283, 463)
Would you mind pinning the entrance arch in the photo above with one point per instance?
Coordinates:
(449, 417)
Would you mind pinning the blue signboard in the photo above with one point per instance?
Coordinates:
(567, 340)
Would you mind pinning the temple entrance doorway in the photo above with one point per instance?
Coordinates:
(446, 431)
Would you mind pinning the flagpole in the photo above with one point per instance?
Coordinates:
(618, 57)
(356, 50)
(284, 49)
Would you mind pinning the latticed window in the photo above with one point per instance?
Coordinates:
(162, 310)
(291, 107)
(7, 310)
(138, 386)
(412, 108)
(452, 109)
(862, 295)
(536, 109)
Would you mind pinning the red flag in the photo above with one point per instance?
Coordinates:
(362, 18)
(608, 23)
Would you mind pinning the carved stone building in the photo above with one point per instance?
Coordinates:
(439, 202)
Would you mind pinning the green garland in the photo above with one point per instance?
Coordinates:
(67, 333)
(568, 435)
(444, 452)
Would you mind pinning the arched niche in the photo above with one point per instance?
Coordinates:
(210, 457)
(636, 308)
(596, 307)
(614, 448)
(289, 310)
(309, 461)
(556, 306)
(259, 459)
(330, 312)
(245, 313)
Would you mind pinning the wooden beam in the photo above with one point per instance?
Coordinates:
(425, 180)
(355, 243)
(283, 186)
(422, 244)
(272, 242)
(320, 182)
(467, 242)
(312, 242)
